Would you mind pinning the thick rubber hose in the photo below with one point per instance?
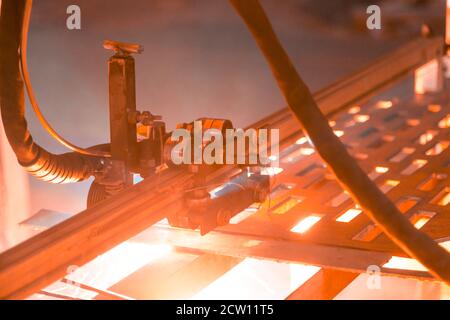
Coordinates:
(64, 168)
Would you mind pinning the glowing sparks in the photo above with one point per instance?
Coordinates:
(305, 224)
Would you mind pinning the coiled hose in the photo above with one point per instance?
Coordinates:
(55, 168)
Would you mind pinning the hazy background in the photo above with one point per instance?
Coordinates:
(199, 60)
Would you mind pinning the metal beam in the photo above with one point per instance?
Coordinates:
(324, 285)
(275, 249)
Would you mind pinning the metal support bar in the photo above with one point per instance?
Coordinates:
(122, 103)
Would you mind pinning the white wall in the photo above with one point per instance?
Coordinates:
(14, 195)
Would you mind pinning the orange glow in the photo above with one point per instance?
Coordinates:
(431, 182)
(445, 123)
(402, 155)
(339, 133)
(421, 222)
(443, 198)
(361, 118)
(302, 140)
(287, 205)
(384, 104)
(305, 224)
(241, 216)
(307, 151)
(340, 199)
(410, 264)
(117, 263)
(434, 108)
(438, 148)
(258, 279)
(427, 137)
(413, 122)
(354, 110)
(389, 185)
(420, 219)
(427, 77)
(381, 169)
(271, 171)
(447, 23)
(369, 233)
(406, 203)
(404, 264)
(414, 166)
(349, 215)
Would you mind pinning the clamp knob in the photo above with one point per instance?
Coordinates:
(123, 47)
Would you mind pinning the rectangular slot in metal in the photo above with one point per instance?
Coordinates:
(287, 204)
(407, 203)
(414, 166)
(369, 233)
(438, 148)
(431, 182)
(402, 155)
(306, 223)
(421, 218)
(349, 215)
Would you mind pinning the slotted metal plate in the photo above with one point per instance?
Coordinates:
(401, 140)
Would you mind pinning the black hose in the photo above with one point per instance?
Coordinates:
(62, 168)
